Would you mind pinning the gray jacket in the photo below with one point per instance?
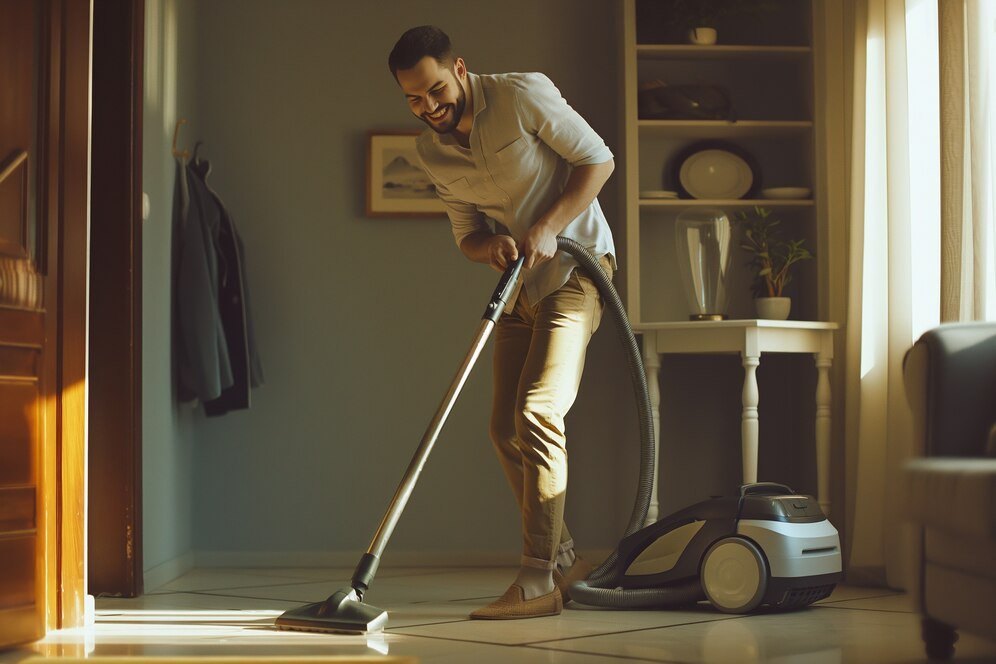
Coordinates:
(216, 351)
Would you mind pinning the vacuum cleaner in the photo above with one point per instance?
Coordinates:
(765, 545)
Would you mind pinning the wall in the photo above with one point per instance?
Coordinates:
(363, 322)
(167, 446)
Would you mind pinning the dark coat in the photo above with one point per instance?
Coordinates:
(218, 361)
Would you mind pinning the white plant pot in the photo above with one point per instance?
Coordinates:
(702, 36)
(773, 308)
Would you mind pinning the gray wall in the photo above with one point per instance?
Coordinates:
(167, 482)
(362, 322)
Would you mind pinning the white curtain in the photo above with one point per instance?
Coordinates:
(894, 267)
(968, 238)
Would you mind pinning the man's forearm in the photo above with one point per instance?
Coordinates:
(475, 246)
(583, 185)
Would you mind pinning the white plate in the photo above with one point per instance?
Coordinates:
(786, 192)
(658, 194)
(716, 174)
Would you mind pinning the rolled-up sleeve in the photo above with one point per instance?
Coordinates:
(547, 114)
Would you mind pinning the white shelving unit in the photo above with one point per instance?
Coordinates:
(786, 79)
(772, 89)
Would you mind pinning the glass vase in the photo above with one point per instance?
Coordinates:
(704, 238)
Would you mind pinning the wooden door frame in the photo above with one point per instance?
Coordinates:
(115, 564)
(64, 137)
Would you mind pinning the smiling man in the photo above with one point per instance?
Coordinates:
(516, 166)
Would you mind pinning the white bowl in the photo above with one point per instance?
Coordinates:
(786, 192)
(656, 193)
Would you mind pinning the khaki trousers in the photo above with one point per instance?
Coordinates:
(538, 361)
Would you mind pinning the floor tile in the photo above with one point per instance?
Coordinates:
(841, 593)
(437, 585)
(569, 624)
(897, 602)
(208, 579)
(209, 612)
(109, 606)
(263, 642)
(818, 634)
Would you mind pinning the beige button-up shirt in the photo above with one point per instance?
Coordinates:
(523, 144)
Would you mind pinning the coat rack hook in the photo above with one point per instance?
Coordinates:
(176, 134)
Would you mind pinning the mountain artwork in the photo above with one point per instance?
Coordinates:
(397, 186)
(403, 178)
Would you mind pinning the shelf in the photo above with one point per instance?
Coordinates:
(721, 52)
(735, 323)
(723, 129)
(724, 203)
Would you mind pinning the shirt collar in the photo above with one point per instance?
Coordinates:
(478, 93)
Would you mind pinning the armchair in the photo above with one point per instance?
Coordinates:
(950, 381)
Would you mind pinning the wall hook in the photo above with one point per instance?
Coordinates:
(180, 154)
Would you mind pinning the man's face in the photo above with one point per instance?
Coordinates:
(435, 93)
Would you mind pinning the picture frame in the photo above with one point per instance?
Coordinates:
(397, 186)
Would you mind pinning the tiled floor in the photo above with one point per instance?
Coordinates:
(231, 612)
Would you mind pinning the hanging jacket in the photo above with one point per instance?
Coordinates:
(218, 362)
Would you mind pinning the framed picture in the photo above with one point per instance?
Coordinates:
(396, 184)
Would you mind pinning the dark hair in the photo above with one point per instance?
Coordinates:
(415, 44)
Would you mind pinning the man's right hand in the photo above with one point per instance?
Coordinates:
(501, 252)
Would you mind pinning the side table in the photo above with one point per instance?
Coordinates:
(749, 338)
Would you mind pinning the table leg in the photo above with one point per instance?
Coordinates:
(652, 365)
(748, 419)
(823, 432)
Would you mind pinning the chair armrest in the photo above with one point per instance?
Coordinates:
(950, 379)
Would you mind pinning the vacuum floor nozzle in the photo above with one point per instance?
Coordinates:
(342, 613)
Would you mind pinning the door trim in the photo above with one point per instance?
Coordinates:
(63, 209)
(115, 379)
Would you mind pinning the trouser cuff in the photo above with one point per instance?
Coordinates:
(538, 563)
(565, 546)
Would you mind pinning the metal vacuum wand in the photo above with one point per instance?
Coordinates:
(345, 611)
(367, 566)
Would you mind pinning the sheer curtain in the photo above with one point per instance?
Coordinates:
(894, 269)
(967, 81)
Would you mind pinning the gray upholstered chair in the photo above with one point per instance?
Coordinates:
(950, 377)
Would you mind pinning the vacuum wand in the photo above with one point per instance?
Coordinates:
(367, 567)
(345, 611)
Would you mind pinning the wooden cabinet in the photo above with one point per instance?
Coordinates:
(773, 70)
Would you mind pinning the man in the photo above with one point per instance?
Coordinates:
(509, 148)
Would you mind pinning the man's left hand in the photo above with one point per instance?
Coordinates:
(539, 246)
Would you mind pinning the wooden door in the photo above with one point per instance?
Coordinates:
(44, 132)
(22, 327)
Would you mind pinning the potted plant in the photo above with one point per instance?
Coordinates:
(697, 18)
(771, 261)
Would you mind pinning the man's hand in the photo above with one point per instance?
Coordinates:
(501, 252)
(539, 245)
(584, 183)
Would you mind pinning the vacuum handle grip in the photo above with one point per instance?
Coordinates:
(503, 291)
(772, 488)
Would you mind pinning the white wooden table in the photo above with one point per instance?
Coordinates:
(749, 338)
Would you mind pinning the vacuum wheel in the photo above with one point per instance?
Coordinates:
(734, 575)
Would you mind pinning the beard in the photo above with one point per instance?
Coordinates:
(453, 113)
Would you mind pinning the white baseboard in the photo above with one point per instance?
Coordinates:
(161, 574)
(350, 558)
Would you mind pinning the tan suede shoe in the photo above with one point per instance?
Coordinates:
(578, 571)
(514, 605)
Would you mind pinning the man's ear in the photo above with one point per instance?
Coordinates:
(460, 68)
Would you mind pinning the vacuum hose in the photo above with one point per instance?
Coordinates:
(599, 589)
